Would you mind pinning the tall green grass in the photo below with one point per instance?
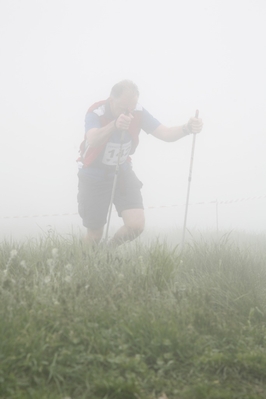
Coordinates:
(135, 322)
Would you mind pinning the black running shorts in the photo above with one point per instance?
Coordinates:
(94, 194)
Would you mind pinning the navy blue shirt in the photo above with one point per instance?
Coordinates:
(119, 144)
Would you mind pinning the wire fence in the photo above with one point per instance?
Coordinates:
(216, 202)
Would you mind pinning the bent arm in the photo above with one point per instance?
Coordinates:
(98, 136)
(169, 134)
(175, 133)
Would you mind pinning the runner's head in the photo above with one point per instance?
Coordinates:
(123, 97)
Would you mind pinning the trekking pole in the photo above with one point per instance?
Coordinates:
(189, 181)
(114, 187)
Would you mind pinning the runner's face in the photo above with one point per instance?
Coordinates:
(124, 104)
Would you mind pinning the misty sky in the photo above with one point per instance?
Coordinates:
(60, 56)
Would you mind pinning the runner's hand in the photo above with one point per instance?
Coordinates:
(123, 121)
(194, 125)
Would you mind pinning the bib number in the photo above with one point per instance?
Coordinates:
(112, 151)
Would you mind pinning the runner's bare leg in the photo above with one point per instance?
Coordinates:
(134, 222)
(93, 237)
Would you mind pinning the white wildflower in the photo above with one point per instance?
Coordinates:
(120, 276)
(142, 265)
(23, 264)
(51, 263)
(55, 252)
(13, 253)
(69, 267)
(47, 279)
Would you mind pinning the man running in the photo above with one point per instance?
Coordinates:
(112, 128)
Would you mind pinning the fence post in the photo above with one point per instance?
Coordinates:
(217, 218)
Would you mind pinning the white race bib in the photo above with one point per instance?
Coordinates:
(112, 150)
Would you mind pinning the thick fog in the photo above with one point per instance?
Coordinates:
(60, 56)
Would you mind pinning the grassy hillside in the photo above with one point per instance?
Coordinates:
(143, 321)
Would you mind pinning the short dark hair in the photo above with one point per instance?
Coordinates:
(124, 86)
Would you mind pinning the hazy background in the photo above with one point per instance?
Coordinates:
(60, 56)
